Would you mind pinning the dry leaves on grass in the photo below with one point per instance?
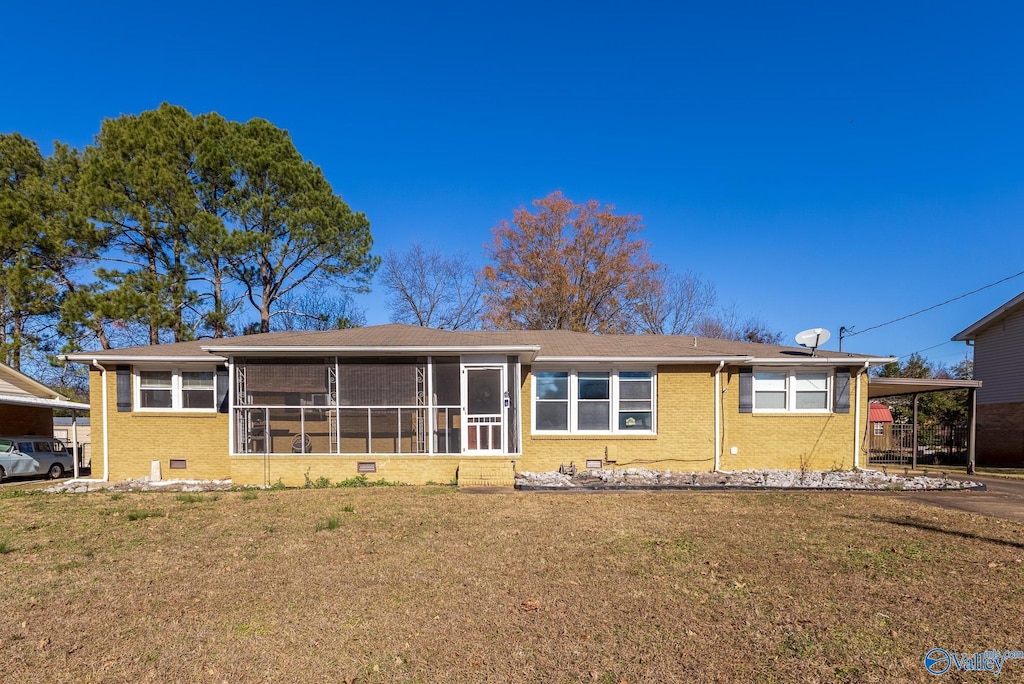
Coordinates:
(529, 605)
(640, 587)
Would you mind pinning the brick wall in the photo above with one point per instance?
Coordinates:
(791, 441)
(292, 471)
(137, 439)
(25, 420)
(1000, 436)
(685, 425)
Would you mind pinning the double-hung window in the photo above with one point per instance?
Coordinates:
(551, 400)
(593, 401)
(176, 389)
(790, 390)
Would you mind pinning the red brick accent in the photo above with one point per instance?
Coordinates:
(25, 420)
(1001, 434)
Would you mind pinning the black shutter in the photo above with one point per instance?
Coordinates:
(746, 390)
(124, 388)
(222, 390)
(842, 394)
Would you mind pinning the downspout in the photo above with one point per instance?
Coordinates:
(718, 416)
(856, 420)
(74, 440)
(106, 431)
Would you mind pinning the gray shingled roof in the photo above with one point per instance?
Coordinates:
(544, 344)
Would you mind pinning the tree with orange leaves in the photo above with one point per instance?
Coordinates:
(567, 266)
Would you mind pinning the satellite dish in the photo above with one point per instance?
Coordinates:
(813, 338)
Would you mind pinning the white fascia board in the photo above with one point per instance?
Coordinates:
(825, 361)
(89, 358)
(23, 400)
(528, 350)
(664, 360)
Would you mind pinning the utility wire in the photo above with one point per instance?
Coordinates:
(851, 333)
(921, 351)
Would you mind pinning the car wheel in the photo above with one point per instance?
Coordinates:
(3, 473)
(56, 471)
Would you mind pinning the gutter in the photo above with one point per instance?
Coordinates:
(646, 359)
(825, 361)
(136, 359)
(336, 350)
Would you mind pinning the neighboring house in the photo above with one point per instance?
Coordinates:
(998, 341)
(416, 405)
(880, 419)
(26, 406)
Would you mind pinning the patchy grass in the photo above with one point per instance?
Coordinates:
(328, 524)
(143, 513)
(194, 497)
(639, 586)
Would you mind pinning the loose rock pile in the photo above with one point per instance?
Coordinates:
(141, 485)
(642, 478)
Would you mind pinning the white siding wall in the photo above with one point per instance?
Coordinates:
(999, 360)
(10, 384)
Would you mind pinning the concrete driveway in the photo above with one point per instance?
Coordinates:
(1003, 499)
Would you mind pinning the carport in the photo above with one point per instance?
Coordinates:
(26, 407)
(891, 387)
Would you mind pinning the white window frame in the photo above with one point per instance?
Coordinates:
(791, 390)
(878, 429)
(574, 400)
(177, 386)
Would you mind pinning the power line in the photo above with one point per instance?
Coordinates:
(850, 333)
(921, 351)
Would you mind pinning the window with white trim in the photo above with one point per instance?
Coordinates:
(879, 429)
(791, 390)
(593, 401)
(175, 389)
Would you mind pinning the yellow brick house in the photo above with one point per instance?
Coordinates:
(417, 405)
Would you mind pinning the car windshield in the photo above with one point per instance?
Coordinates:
(6, 445)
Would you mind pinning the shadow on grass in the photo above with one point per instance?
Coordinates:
(916, 524)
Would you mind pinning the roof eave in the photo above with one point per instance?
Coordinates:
(381, 350)
(825, 361)
(642, 359)
(136, 358)
(32, 382)
(42, 402)
(732, 360)
(970, 332)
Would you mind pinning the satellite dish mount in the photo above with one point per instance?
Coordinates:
(813, 338)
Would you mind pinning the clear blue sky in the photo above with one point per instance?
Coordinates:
(823, 164)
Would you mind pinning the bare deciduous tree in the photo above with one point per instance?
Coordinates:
(727, 325)
(429, 288)
(675, 303)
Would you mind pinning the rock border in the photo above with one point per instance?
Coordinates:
(641, 479)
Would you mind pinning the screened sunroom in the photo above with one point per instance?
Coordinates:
(374, 405)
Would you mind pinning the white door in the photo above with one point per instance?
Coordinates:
(484, 395)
